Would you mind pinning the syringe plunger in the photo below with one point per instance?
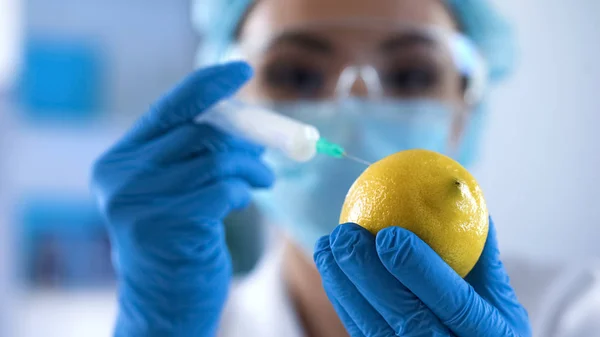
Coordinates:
(295, 139)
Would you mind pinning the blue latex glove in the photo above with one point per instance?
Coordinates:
(396, 285)
(165, 188)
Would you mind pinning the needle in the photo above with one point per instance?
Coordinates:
(336, 151)
(356, 159)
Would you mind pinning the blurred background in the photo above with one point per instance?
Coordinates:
(75, 73)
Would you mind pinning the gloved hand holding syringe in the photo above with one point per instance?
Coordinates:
(297, 140)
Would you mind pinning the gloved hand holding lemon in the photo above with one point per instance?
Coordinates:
(416, 254)
(429, 194)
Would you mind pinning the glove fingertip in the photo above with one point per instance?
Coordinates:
(256, 173)
(321, 244)
(323, 254)
(210, 87)
(349, 235)
(241, 68)
(236, 191)
(351, 226)
(491, 229)
(340, 230)
(393, 238)
(267, 178)
(491, 250)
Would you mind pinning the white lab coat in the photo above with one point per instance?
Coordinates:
(561, 302)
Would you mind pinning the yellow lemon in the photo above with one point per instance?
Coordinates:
(429, 194)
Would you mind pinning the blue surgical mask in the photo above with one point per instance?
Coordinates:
(307, 197)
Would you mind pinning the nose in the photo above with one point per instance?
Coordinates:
(358, 81)
(359, 88)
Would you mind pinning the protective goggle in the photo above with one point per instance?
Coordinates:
(417, 83)
(371, 59)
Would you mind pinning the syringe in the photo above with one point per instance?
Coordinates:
(297, 140)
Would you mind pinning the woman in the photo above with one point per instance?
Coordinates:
(377, 77)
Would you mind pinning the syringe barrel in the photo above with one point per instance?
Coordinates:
(259, 125)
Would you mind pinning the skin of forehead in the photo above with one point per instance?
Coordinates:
(269, 17)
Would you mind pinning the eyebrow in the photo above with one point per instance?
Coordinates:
(405, 41)
(304, 40)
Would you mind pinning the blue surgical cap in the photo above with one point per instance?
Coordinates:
(218, 20)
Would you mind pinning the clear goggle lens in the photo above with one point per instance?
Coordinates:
(336, 60)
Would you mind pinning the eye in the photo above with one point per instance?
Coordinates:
(410, 81)
(295, 79)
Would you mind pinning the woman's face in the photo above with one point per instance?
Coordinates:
(300, 48)
(311, 53)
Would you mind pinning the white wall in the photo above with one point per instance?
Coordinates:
(541, 171)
